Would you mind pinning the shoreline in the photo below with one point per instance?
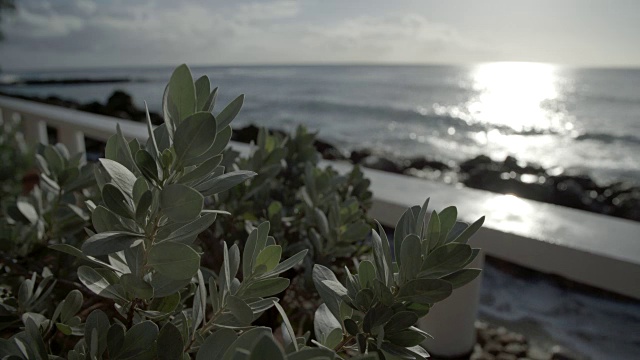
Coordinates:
(510, 176)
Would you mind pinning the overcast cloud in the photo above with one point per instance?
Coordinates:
(88, 33)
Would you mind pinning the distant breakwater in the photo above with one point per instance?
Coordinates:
(509, 176)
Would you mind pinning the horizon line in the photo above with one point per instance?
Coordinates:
(317, 64)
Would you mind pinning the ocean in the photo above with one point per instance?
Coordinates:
(565, 119)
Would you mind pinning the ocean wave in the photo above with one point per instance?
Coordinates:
(608, 138)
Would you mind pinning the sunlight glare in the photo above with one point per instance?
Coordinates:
(513, 95)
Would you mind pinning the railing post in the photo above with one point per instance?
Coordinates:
(452, 321)
(73, 139)
(35, 130)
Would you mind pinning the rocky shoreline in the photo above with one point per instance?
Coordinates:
(510, 176)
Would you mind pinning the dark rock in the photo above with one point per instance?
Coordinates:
(569, 193)
(421, 163)
(358, 155)
(120, 101)
(381, 163)
(478, 161)
(328, 151)
(246, 134)
(508, 183)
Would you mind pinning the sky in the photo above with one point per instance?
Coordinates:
(111, 33)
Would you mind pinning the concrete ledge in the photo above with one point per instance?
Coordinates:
(592, 249)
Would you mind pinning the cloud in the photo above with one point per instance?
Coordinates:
(407, 38)
(158, 32)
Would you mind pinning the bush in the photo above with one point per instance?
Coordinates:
(137, 289)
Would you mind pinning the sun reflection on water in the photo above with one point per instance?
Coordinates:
(514, 95)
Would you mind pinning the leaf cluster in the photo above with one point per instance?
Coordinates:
(137, 288)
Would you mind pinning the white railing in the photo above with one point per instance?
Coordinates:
(592, 249)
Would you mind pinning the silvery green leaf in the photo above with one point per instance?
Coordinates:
(224, 182)
(265, 287)
(163, 138)
(266, 348)
(247, 253)
(380, 251)
(364, 299)
(166, 286)
(136, 287)
(468, 232)
(288, 263)
(324, 323)
(115, 339)
(211, 101)
(411, 257)
(135, 257)
(54, 159)
(366, 274)
(425, 291)
(123, 151)
(213, 294)
(110, 242)
(147, 165)
(142, 208)
(421, 220)
(181, 203)
(165, 305)
(201, 172)
(104, 220)
(71, 305)
(269, 257)
(116, 201)
(400, 321)
(239, 309)
(377, 316)
(230, 112)
(28, 211)
(170, 116)
(448, 218)
(68, 249)
(432, 234)
(446, 258)
(287, 324)
(139, 188)
(234, 260)
(328, 295)
(462, 277)
(216, 344)
(174, 260)
(97, 283)
(194, 136)
(203, 90)
(121, 177)
(152, 144)
(405, 338)
(97, 323)
(188, 232)
(41, 162)
(139, 340)
(170, 343)
(36, 343)
(219, 144)
(182, 93)
(404, 227)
